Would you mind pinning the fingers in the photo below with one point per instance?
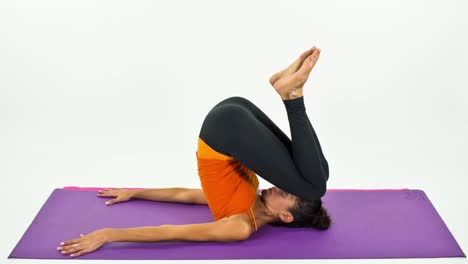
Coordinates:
(104, 190)
(68, 247)
(108, 192)
(113, 201)
(79, 253)
(69, 242)
(75, 250)
(71, 246)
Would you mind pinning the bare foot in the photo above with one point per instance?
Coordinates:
(291, 86)
(291, 68)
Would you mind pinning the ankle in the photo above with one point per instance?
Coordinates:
(292, 93)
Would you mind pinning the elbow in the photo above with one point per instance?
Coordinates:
(237, 238)
(238, 235)
(244, 235)
(233, 231)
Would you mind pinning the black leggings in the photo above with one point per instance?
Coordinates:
(238, 128)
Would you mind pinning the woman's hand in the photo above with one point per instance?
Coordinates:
(122, 195)
(84, 244)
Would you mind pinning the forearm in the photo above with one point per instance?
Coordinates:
(161, 194)
(138, 234)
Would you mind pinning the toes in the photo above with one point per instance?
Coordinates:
(313, 58)
(315, 54)
(303, 73)
(306, 53)
(306, 66)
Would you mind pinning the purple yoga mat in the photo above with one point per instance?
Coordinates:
(365, 224)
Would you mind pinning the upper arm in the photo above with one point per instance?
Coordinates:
(221, 230)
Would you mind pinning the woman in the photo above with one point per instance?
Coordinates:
(237, 141)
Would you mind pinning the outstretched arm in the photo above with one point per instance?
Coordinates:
(176, 194)
(221, 231)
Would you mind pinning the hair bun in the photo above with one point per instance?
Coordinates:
(322, 212)
(318, 207)
(322, 220)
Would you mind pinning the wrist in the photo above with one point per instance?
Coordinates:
(133, 193)
(107, 235)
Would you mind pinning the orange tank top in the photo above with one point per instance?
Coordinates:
(230, 187)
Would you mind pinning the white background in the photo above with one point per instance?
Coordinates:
(113, 93)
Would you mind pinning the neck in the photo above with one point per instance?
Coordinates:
(263, 214)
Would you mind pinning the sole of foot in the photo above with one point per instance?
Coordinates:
(291, 68)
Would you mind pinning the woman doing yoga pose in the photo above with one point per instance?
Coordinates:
(237, 141)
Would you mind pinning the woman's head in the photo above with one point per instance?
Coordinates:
(293, 211)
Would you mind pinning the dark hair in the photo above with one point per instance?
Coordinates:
(307, 213)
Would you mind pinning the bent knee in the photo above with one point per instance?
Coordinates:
(234, 111)
(236, 100)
